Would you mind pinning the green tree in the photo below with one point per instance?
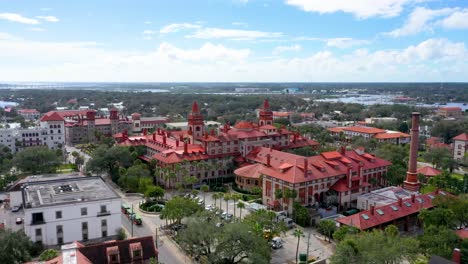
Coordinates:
(226, 198)
(343, 231)
(154, 192)
(263, 219)
(204, 189)
(241, 206)
(15, 247)
(178, 208)
(36, 160)
(327, 228)
(301, 214)
(230, 244)
(298, 233)
(48, 254)
(108, 160)
(438, 240)
(437, 217)
(367, 247)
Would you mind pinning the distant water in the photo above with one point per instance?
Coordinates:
(372, 99)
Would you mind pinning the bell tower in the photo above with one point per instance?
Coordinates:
(195, 122)
(265, 115)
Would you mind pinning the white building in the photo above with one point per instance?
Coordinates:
(381, 197)
(66, 210)
(18, 138)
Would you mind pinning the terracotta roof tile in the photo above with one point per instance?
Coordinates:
(463, 137)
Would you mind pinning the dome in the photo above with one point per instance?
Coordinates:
(244, 125)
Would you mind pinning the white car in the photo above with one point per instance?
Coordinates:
(19, 220)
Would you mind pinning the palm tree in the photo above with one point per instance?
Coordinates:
(220, 196)
(226, 198)
(204, 189)
(235, 198)
(215, 197)
(298, 233)
(240, 205)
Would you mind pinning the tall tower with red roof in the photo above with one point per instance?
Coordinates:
(412, 183)
(265, 115)
(195, 122)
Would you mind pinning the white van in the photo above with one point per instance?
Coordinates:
(289, 222)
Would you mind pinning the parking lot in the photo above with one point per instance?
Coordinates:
(287, 254)
(8, 218)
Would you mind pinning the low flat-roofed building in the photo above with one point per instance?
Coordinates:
(71, 209)
(450, 112)
(381, 197)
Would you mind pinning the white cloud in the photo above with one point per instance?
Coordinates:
(149, 32)
(48, 18)
(457, 20)
(240, 24)
(45, 8)
(18, 18)
(148, 22)
(234, 34)
(281, 49)
(344, 43)
(36, 29)
(24, 60)
(177, 27)
(419, 20)
(359, 8)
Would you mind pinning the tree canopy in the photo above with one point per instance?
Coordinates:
(15, 247)
(39, 159)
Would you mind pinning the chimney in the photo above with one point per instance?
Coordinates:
(372, 209)
(185, 148)
(306, 168)
(400, 202)
(350, 175)
(154, 136)
(413, 198)
(359, 173)
(268, 160)
(181, 138)
(177, 143)
(456, 255)
(412, 183)
(343, 150)
(164, 140)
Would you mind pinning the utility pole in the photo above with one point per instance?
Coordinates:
(156, 237)
(308, 244)
(131, 220)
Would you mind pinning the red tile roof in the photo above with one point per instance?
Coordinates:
(28, 111)
(364, 130)
(54, 116)
(251, 171)
(244, 125)
(463, 233)
(463, 137)
(281, 114)
(388, 213)
(428, 171)
(391, 135)
(290, 167)
(335, 129)
(450, 109)
(330, 155)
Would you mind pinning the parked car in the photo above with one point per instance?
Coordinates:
(178, 227)
(19, 220)
(226, 216)
(289, 222)
(15, 208)
(209, 207)
(276, 243)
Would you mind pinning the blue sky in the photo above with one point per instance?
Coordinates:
(234, 40)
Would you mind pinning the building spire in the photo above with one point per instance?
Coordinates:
(266, 105)
(195, 107)
(412, 183)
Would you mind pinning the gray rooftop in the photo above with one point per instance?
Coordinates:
(63, 191)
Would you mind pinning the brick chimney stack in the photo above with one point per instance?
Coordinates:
(185, 147)
(412, 183)
(456, 255)
(372, 209)
(268, 160)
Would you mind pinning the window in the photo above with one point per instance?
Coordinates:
(58, 214)
(84, 226)
(103, 209)
(136, 253)
(104, 233)
(60, 240)
(38, 232)
(37, 219)
(103, 222)
(114, 258)
(59, 229)
(84, 230)
(84, 211)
